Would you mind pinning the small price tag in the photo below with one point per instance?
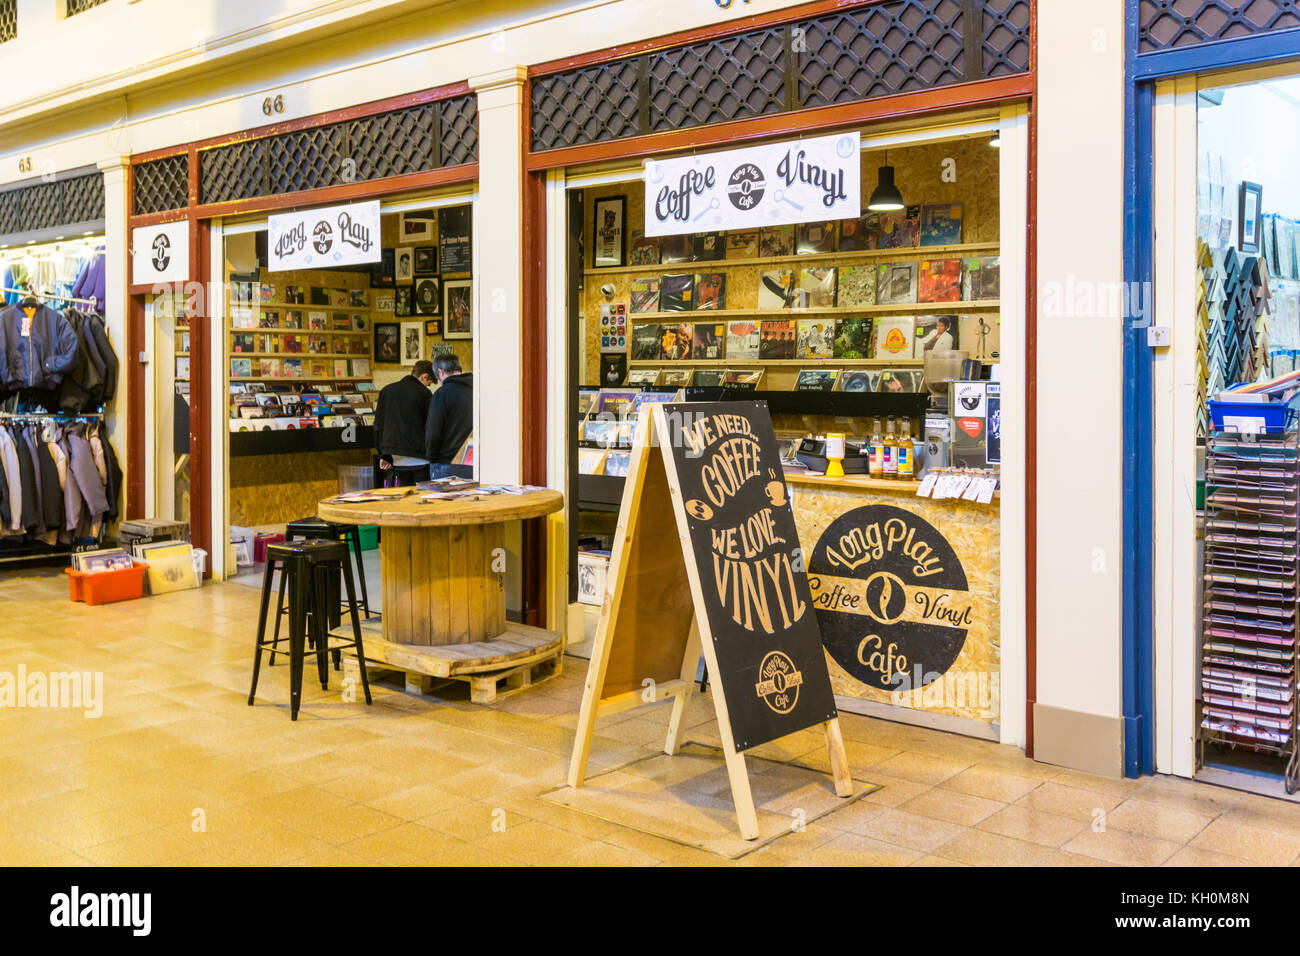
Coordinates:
(986, 492)
(926, 486)
(26, 330)
(972, 489)
(959, 483)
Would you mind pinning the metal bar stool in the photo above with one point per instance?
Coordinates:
(307, 567)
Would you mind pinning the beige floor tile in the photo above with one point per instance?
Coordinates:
(276, 846)
(1193, 856)
(936, 861)
(1069, 802)
(991, 783)
(150, 848)
(920, 768)
(899, 828)
(849, 849)
(599, 853)
(1121, 848)
(893, 790)
(979, 848)
(1255, 844)
(344, 824)
(1033, 826)
(398, 846)
(1153, 819)
(1061, 858)
(953, 806)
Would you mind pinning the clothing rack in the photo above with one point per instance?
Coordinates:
(51, 416)
(50, 295)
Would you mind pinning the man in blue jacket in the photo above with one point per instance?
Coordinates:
(451, 411)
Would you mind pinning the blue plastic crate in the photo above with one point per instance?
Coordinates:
(1266, 417)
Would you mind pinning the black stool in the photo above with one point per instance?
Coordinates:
(308, 567)
(319, 529)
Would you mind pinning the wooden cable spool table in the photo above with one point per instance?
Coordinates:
(444, 597)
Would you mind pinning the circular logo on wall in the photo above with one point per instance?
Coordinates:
(322, 237)
(162, 252)
(778, 682)
(745, 187)
(891, 597)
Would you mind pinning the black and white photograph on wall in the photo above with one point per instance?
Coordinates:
(428, 296)
(611, 219)
(381, 272)
(454, 233)
(402, 298)
(1249, 212)
(458, 309)
(412, 347)
(417, 227)
(388, 346)
(405, 270)
(426, 260)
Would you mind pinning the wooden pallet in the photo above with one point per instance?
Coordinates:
(519, 658)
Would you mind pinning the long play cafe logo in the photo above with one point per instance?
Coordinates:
(891, 597)
(162, 252)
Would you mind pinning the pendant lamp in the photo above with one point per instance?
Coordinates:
(886, 197)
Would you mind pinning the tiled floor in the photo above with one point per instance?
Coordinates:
(179, 770)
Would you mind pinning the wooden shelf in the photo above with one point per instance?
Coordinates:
(235, 331)
(300, 308)
(686, 364)
(868, 255)
(299, 355)
(907, 308)
(299, 378)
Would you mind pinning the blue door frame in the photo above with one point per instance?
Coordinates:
(1142, 71)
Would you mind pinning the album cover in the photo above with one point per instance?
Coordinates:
(893, 336)
(896, 283)
(360, 368)
(941, 224)
(613, 368)
(857, 380)
(676, 249)
(857, 287)
(293, 320)
(292, 368)
(243, 342)
(935, 332)
(268, 368)
(709, 246)
(645, 295)
(643, 376)
(709, 340)
(616, 463)
(853, 339)
(710, 291)
(316, 344)
(857, 235)
(591, 461)
(978, 334)
(898, 230)
(644, 346)
(776, 289)
(674, 378)
(742, 244)
(675, 342)
(427, 295)
(816, 380)
(776, 241)
(643, 250)
(268, 343)
(777, 339)
(676, 293)
(900, 380)
(816, 338)
(818, 286)
(317, 321)
(743, 340)
(586, 399)
(983, 278)
(708, 377)
(269, 320)
(742, 378)
(939, 281)
(340, 322)
(817, 238)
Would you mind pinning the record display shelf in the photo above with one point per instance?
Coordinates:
(1251, 595)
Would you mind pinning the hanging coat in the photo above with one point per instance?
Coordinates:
(13, 480)
(39, 358)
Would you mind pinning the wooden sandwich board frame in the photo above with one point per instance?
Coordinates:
(652, 630)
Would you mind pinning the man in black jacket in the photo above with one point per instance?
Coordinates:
(400, 415)
(451, 411)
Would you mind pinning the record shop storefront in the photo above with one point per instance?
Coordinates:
(852, 254)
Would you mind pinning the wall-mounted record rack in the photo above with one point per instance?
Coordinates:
(1251, 595)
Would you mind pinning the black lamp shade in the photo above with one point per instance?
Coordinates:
(886, 198)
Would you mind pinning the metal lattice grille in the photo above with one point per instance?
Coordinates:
(161, 184)
(725, 79)
(458, 130)
(50, 205)
(1167, 24)
(8, 20)
(1005, 37)
(412, 140)
(587, 105)
(867, 51)
(81, 6)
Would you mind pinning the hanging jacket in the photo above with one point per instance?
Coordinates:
(40, 358)
(82, 384)
(91, 282)
(95, 328)
(31, 516)
(13, 480)
(14, 277)
(87, 477)
(72, 506)
(113, 486)
(52, 510)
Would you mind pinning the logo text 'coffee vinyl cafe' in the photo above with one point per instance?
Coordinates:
(891, 597)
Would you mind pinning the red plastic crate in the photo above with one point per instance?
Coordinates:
(260, 543)
(107, 586)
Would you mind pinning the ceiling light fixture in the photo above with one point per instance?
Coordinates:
(886, 197)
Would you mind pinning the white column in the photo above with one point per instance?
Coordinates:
(116, 266)
(498, 275)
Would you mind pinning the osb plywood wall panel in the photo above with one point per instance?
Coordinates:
(905, 573)
(274, 489)
(964, 171)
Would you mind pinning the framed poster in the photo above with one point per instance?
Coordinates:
(402, 302)
(458, 309)
(432, 327)
(381, 272)
(412, 344)
(426, 260)
(417, 227)
(405, 268)
(427, 293)
(1249, 214)
(388, 347)
(454, 234)
(609, 249)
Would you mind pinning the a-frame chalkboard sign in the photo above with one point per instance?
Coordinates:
(706, 559)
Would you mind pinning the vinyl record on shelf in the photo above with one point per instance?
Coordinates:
(428, 297)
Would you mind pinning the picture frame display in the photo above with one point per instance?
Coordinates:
(427, 296)
(388, 342)
(432, 327)
(454, 240)
(426, 260)
(1249, 217)
(412, 342)
(404, 271)
(458, 309)
(402, 298)
(416, 227)
(610, 248)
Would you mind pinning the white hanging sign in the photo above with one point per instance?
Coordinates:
(333, 236)
(808, 180)
(160, 253)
